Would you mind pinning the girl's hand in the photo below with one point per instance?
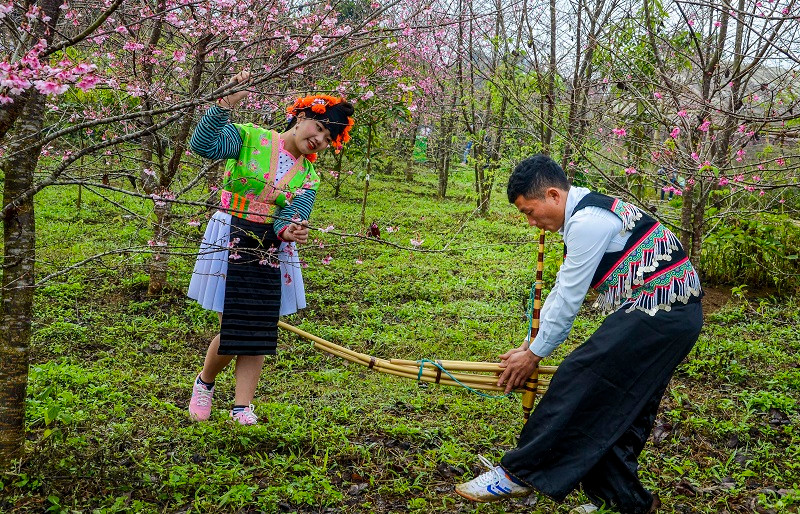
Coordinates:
(230, 101)
(296, 232)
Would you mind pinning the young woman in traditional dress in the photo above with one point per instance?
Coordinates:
(247, 268)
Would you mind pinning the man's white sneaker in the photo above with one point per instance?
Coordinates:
(584, 509)
(491, 486)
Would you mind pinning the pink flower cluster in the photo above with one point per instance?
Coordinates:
(29, 71)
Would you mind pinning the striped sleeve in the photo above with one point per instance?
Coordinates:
(214, 137)
(301, 205)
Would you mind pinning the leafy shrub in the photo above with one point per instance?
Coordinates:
(759, 251)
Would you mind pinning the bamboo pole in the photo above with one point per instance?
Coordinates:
(411, 369)
(492, 367)
(450, 372)
(529, 396)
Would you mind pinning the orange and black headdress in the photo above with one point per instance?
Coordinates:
(334, 112)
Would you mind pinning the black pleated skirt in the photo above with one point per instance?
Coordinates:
(252, 291)
(598, 393)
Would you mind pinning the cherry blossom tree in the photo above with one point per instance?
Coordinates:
(123, 85)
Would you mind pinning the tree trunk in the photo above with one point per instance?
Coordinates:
(686, 216)
(159, 265)
(443, 162)
(547, 134)
(698, 220)
(364, 204)
(493, 161)
(409, 154)
(213, 180)
(339, 158)
(160, 261)
(370, 133)
(445, 150)
(26, 114)
(16, 296)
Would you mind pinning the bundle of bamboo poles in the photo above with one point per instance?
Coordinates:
(475, 375)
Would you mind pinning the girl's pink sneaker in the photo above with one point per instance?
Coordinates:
(245, 416)
(200, 404)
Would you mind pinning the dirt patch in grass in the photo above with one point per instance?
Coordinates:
(715, 298)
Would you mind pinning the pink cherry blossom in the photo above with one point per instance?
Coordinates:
(327, 260)
(48, 87)
(132, 46)
(88, 82)
(675, 132)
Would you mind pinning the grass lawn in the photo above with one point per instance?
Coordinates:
(111, 372)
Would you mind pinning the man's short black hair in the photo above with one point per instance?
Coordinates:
(533, 176)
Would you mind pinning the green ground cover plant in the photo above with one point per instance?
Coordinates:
(111, 372)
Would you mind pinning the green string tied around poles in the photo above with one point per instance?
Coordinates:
(422, 363)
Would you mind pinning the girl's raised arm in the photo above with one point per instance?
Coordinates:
(214, 137)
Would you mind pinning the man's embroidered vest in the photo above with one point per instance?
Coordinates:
(652, 272)
(249, 190)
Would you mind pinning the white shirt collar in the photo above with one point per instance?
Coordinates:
(574, 195)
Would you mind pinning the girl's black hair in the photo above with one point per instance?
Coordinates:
(334, 118)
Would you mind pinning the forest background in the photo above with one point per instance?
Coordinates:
(688, 109)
